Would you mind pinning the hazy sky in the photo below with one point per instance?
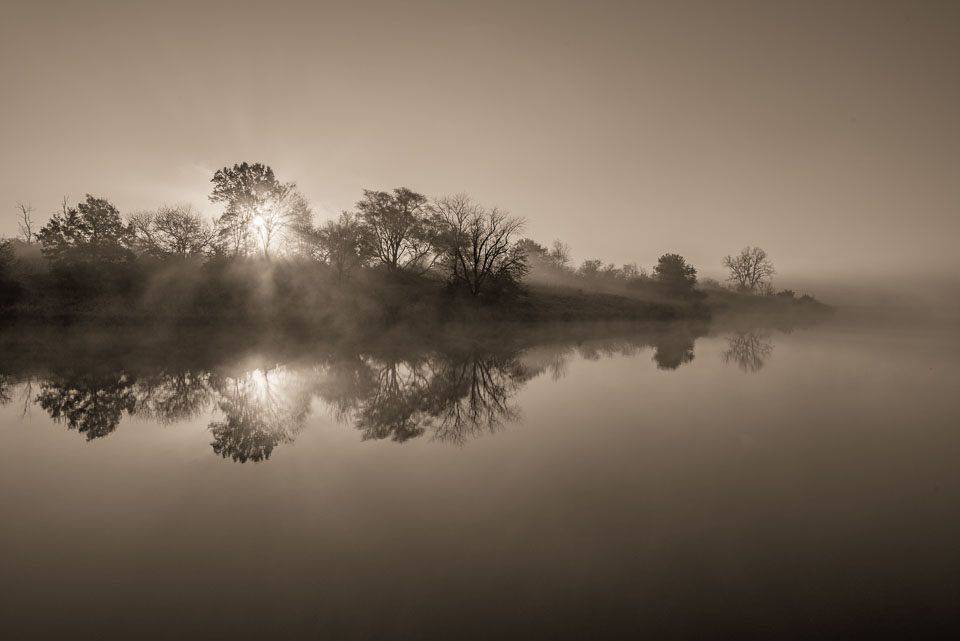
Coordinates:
(826, 132)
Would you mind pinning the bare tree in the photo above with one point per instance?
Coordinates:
(748, 349)
(560, 253)
(478, 244)
(282, 220)
(750, 268)
(25, 222)
(402, 234)
(173, 231)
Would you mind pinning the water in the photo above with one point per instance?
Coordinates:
(671, 482)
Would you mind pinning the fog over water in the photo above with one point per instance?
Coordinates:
(462, 320)
(791, 482)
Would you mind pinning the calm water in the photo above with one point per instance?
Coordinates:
(682, 482)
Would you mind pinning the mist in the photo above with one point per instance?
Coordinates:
(479, 320)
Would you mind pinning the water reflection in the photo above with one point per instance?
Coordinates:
(92, 404)
(173, 397)
(674, 350)
(749, 350)
(451, 393)
(261, 409)
(5, 384)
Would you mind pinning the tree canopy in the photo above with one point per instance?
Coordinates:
(674, 274)
(402, 235)
(91, 231)
(259, 209)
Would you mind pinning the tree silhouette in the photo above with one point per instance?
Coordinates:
(5, 383)
(748, 349)
(401, 233)
(91, 404)
(477, 246)
(245, 190)
(675, 275)
(25, 222)
(261, 409)
(173, 397)
(454, 396)
(394, 408)
(750, 269)
(673, 350)
(343, 244)
(91, 231)
(173, 231)
(471, 394)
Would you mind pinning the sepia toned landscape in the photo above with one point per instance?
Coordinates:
(461, 320)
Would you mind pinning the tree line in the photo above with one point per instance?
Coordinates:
(478, 251)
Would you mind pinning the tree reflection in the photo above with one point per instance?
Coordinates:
(748, 349)
(453, 396)
(453, 392)
(673, 350)
(171, 398)
(472, 394)
(91, 404)
(261, 409)
(5, 385)
(394, 408)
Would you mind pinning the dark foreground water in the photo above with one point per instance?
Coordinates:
(681, 482)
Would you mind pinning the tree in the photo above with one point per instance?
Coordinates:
(284, 221)
(91, 231)
(25, 222)
(173, 231)
(533, 249)
(402, 234)
(750, 269)
(477, 244)
(245, 190)
(343, 244)
(674, 274)
(560, 253)
(590, 269)
(9, 289)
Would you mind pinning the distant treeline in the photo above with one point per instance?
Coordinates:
(399, 256)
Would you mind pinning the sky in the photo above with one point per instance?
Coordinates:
(827, 133)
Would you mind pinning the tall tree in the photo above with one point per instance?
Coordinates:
(284, 223)
(91, 231)
(402, 234)
(560, 253)
(25, 221)
(245, 190)
(750, 269)
(478, 247)
(674, 274)
(343, 244)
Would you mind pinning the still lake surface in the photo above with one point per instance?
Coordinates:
(674, 482)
